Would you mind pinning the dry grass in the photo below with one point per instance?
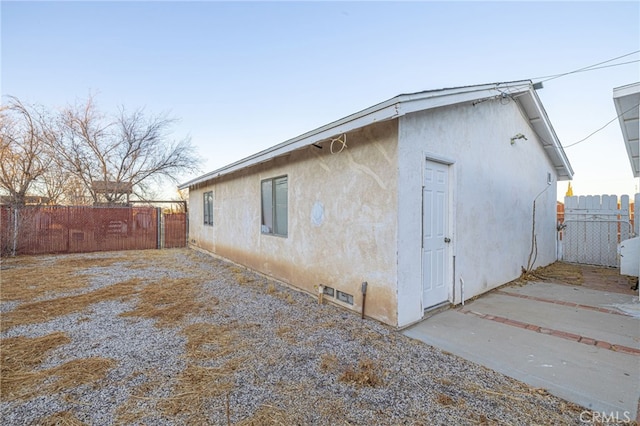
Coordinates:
(78, 372)
(241, 275)
(559, 271)
(27, 279)
(268, 415)
(63, 418)
(25, 353)
(21, 357)
(365, 375)
(445, 400)
(169, 301)
(207, 341)
(197, 389)
(38, 312)
(328, 362)
(199, 386)
(140, 404)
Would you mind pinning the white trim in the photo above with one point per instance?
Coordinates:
(399, 106)
(438, 158)
(627, 119)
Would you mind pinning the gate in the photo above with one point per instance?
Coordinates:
(593, 227)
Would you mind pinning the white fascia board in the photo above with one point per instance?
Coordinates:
(629, 95)
(385, 111)
(543, 127)
(390, 109)
(629, 89)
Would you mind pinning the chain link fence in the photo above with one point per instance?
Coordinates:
(591, 228)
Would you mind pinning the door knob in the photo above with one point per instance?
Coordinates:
(447, 240)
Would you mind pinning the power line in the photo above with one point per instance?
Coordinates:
(596, 131)
(589, 68)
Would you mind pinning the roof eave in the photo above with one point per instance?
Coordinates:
(629, 119)
(541, 125)
(393, 108)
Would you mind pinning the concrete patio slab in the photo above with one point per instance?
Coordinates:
(614, 329)
(587, 354)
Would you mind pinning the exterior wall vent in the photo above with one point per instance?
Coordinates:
(344, 297)
(329, 291)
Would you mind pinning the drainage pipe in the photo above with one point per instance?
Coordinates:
(462, 290)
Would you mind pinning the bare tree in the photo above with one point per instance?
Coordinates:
(130, 150)
(24, 155)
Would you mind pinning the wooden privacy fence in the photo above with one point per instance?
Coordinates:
(78, 229)
(593, 227)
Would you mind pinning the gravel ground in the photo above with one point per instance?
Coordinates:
(250, 351)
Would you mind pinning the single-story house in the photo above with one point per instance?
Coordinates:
(427, 197)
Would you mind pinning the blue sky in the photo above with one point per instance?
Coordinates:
(243, 76)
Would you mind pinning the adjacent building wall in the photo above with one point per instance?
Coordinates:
(493, 186)
(342, 211)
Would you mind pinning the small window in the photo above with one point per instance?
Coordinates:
(275, 206)
(208, 208)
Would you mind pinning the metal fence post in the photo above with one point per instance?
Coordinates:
(160, 225)
(15, 231)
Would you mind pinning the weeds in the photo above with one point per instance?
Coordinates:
(365, 375)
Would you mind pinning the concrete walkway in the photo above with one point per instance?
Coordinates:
(580, 344)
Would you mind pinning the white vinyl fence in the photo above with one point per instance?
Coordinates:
(594, 225)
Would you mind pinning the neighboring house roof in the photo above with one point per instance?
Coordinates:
(522, 92)
(627, 102)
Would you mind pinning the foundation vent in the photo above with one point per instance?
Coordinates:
(329, 291)
(344, 297)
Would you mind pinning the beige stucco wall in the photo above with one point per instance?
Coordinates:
(342, 219)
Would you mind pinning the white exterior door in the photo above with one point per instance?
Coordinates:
(435, 191)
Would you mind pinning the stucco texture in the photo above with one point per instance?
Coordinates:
(342, 221)
(493, 184)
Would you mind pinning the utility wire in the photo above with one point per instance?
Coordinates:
(596, 131)
(589, 68)
(585, 70)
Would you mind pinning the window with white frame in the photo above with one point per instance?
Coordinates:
(275, 206)
(208, 208)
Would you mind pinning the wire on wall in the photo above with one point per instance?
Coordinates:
(342, 140)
